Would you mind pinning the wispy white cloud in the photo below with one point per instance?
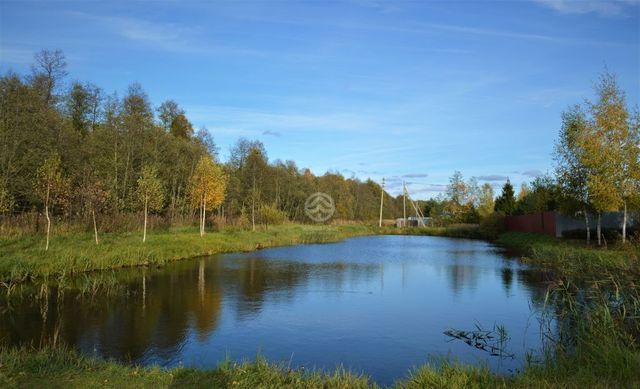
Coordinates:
(165, 36)
(394, 180)
(348, 172)
(415, 175)
(375, 151)
(509, 34)
(237, 117)
(271, 133)
(429, 28)
(17, 56)
(383, 6)
(532, 173)
(430, 188)
(493, 177)
(547, 97)
(370, 172)
(177, 38)
(601, 7)
(495, 32)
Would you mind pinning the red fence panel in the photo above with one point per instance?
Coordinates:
(541, 223)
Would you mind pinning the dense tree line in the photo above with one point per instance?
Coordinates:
(259, 190)
(463, 202)
(71, 151)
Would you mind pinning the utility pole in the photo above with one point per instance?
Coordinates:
(419, 215)
(404, 203)
(381, 202)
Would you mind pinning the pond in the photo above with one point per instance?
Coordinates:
(378, 305)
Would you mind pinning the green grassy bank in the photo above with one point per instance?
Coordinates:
(575, 258)
(23, 258)
(62, 368)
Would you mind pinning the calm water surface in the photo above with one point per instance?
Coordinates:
(377, 304)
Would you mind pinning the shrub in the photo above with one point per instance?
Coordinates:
(218, 222)
(270, 214)
(491, 226)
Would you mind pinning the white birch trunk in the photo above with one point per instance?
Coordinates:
(95, 226)
(200, 218)
(253, 205)
(46, 213)
(144, 233)
(204, 216)
(586, 222)
(599, 229)
(624, 223)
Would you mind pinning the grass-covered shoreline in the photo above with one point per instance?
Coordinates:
(24, 258)
(64, 368)
(574, 258)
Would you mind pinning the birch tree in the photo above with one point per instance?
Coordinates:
(254, 175)
(457, 194)
(611, 150)
(487, 201)
(51, 187)
(96, 197)
(167, 112)
(208, 186)
(524, 191)
(571, 172)
(82, 106)
(48, 71)
(149, 193)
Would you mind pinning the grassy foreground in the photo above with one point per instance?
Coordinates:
(62, 368)
(23, 258)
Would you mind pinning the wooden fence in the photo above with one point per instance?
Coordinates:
(541, 223)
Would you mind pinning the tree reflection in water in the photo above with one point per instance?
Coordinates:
(156, 308)
(333, 303)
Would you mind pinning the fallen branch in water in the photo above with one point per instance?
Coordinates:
(493, 342)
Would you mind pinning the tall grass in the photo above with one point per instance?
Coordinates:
(64, 368)
(23, 258)
(575, 258)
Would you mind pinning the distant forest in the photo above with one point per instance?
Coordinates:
(89, 150)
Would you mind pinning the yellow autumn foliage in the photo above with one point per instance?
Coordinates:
(208, 184)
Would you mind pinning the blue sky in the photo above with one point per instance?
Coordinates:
(402, 90)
